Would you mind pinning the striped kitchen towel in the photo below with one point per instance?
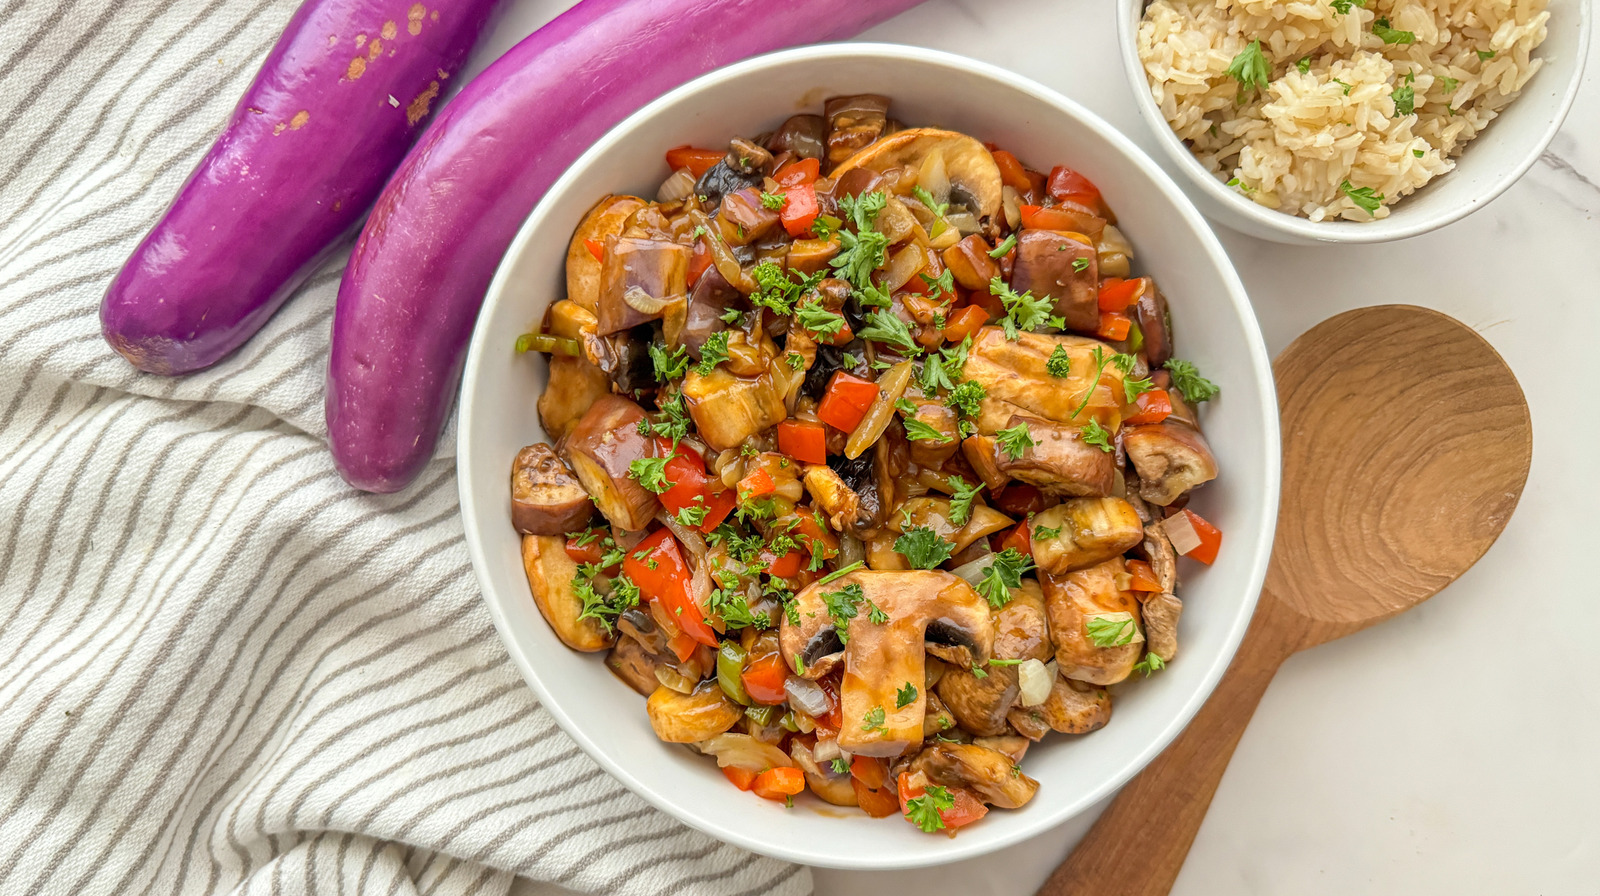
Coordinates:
(221, 669)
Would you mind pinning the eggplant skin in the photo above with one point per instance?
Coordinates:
(422, 264)
(546, 498)
(599, 451)
(308, 148)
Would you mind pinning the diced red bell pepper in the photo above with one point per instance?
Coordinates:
(1012, 173)
(764, 679)
(656, 565)
(797, 172)
(699, 261)
(1141, 577)
(741, 778)
(787, 565)
(846, 401)
(803, 440)
(692, 486)
(1020, 538)
(698, 161)
(1210, 538)
(718, 505)
(965, 322)
(1114, 326)
(596, 248)
(800, 210)
(779, 783)
(682, 646)
(967, 809)
(756, 484)
(1067, 185)
(589, 552)
(1117, 294)
(1150, 407)
(1048, 217)
(869, 771)
(877, 802)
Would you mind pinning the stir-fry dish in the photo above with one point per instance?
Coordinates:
(870, 461)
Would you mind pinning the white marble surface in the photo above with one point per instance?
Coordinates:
(1452, 750)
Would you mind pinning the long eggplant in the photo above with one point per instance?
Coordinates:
(338, 101)
(418, 275)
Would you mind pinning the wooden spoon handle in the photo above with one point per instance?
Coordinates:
(1138, 845)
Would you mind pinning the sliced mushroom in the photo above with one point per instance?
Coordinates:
(1020, 633)
(1171, 458)
(936, 717)
(606, 219)
(546, 499)
(574, 386)
(847, 493)
(1083, 597)
(691, 718)
(550, 576)
(831, 786)
(1012, 746)
(1072, 708)
(728, 409)
(880, 658)
(973, 175)
(1059, 462)
(1052, 263)
(854, 122)
(600, 449)
(988, 773)
(639, 279)
(931, 452)
(1163, 559)
(1015, 379)
(1155, 323)
(1161, 613)
(935, 513)
(1090, 530)
(631, 662)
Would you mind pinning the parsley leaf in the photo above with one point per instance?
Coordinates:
(774, 201)
(875, 614)
(1042, 532)
(967, 398)
(1150, 663)
(1080, 264)
(1483, 56)
(1450, 85)
(668, 366)
(923, 548)
(819, 321)
(1187, 378)
(923, 811)
(882, 326)
(1250, 68)
(940, 369)
(905, 696)
(1405, 98)
(961, 496)
(1003, 573)
(919, 431)
(926, 198)
(1110, 632)
(1304, 65)
(842, 607)
(1059, 363)
(1364, 198)
(841, 766)
(1100, 362)
(714, 352)
(692, 515)
(1098, 436)
(1023, 312)
(864, 250)
(1381, 29)
(944, 284)
(1133, 387)
(651, 472)
(1015, 440)
(873, 720)
(1343, 6)
(795, 360)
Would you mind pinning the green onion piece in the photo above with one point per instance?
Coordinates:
(544, 342)
(730, 662)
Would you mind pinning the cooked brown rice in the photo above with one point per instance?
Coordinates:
(1294, 145)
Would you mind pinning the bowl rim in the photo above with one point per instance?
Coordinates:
(1394, 227)
(1263, 392)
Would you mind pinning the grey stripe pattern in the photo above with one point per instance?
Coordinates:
(221, 669)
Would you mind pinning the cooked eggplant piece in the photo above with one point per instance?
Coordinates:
(1155, 322)
(599, 451)
(1020, 633)
(691, 718)
(1161, 613)
(605, 220)
(546, 498)
(639, 278)
(805, 136)
(745, 157)
(631, 662)
(574, 386)
(1171, 458)
(1086, 609)
(831, 786)
(550, 576)
(853, 183)
(1090, 530)
(1051, 263)
(721, 180)
(728, 409)
(624, 358)
(988, 773)
(711, 297)
(1015, 380)
(936, 717)
(973, 178)
(1072, 708)
(743, 220)
(1012, 746)
(1059, 462)
(934, 513)
(832, 496)
(854, 122)
(810, 256)
(918, 607)
(970, 264)
(1163, 559)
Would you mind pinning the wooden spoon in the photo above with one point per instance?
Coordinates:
(1406, 443)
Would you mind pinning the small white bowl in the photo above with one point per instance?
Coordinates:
(1214, 326)
(1489, 165)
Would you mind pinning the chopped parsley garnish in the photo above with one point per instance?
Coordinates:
(1108, 632)
(941, 369)
(1343, 6)
(923, 548)
(1345, 84)
(961, 496)
(1405, 97)
(1304, 64)
(842, 606)
(604, 607)
(905, 696)
(1450, 85)
(668, 365)
(1250, 68)
(1150, 663)
(714, 352)
(1187, 378)
(978, 671)
(882, 326)
(1080, 264)
(1100, 362)
(1098, 436)
(923, 811)
(873, 720)
(795, 360)
(875, 614)
(1023, 312)
(1133, 387)
(918, 431)
(840, 766)
(1006, 245)
(1059, 363)
(692, 515)
(967, 398)
(651, 472)
(819, 321)
(1002, 574)
(942, 285)
(1381, 29)
(1485, 55)
(728, 317)
(1241, 186)
(864, 250)
(1042, 532)
(730, 606)
(926, 198)
(1418, 153)
(1015, 440)
(773, 201)
(825, 226)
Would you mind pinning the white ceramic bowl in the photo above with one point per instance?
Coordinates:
(1214, 326)
(1489, 165)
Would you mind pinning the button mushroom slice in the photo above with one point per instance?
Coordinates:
(551, 574)
(831, 786)
(1161, 613)
(854, 122)
(606, 219)
(988, 773)
(1171, 458)
(881, 658)
(1072, 708)
(1020, 632)
(1055, 264)
(1059, 462)
(936, 717)
(631, 662)
(970, 169)
(546, 498)
(694, 717)
(600, 449)
(1013, 746)
(1089, 530)
(1014, 376)
(1163, 559)
(1077, 600)
(728, 409)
